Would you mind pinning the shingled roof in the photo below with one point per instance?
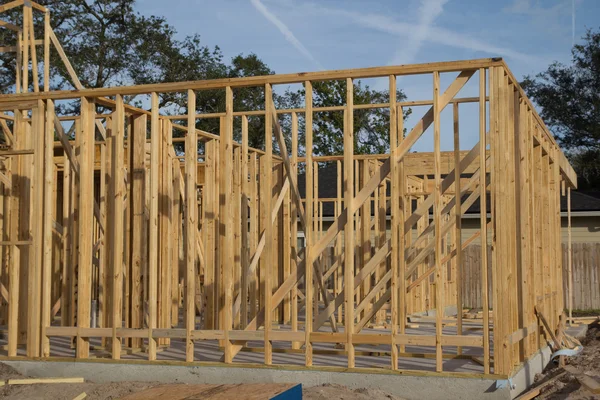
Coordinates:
(580, 201)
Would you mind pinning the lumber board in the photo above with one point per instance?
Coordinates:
(33, 381)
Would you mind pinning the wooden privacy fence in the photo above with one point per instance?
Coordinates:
(164, 248)
(586, 276)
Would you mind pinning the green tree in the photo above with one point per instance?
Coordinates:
(371, 126)
(569, 96)
(109, 44)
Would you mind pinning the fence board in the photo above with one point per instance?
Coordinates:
(586, 276)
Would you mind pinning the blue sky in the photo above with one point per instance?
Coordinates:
(309, 35)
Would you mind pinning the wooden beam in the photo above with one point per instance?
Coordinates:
(483, 221)
(439, 274)
(190, 224)
(47, 227)
(360, 73)
(349, 229)
(116, 250)
(86, 199)
(155, 129)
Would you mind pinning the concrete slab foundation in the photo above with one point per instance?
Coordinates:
(405, 386)
(577, 331)
(525, 376)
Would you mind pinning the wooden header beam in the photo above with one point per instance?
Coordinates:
(373, 72)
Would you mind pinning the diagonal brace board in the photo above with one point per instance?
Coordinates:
(385, 168)
(261, 244)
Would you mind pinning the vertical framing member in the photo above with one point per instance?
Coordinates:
(395, 224)
(349, 229)
(458, 222)
(48, 136)
(483, 221)
(569, 256)
(86, 216)
(294, 230)
(15, 251)
(437, 220)
(266, 200)
(190, 224)
(245, 255)
(155, 128)
(117, 241)
(226, 215)
(308, 215)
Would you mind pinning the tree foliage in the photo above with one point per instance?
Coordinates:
(371, 126)
(569, 96)
(109, 43)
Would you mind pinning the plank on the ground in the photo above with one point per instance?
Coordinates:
(30, 381)
(253, 391)
(589, 382)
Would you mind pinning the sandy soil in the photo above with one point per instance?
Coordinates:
(66, 391)
(588, 361)
(108, 391)
(337, 392)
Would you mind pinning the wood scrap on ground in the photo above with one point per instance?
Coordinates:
(591, 383)
(31, 381)
(535, 391)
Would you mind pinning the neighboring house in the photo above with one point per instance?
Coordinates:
(585, 210)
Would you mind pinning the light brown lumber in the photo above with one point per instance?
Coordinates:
(308, 233)
(12, 27)
(245, 250)
(66, 62)
(292, 180)
(190, 223)
(32, 381)
(439, 274)
(458, 262)
(533, 393)
(14, 252)
(47, 227)
(81, 396)
(47, 51)
(349, 229)
(32, 42)
(256, 257)
(86, 174)
(397, 241)
(25, 53)
(115, 247)
(294, 231)
(483, 220)
(384, 170)
(138, 231)
(226, 205)
(34, 281)
(11, 5)
(155, 129)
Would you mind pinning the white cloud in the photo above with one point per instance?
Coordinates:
(287, 33)
(433, 34)
(429, 11)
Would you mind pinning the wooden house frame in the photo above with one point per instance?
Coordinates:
(108, 222)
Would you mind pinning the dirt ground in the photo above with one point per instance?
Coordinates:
(588, 361)
(116, 390)
(337, 392)
(66, 391)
